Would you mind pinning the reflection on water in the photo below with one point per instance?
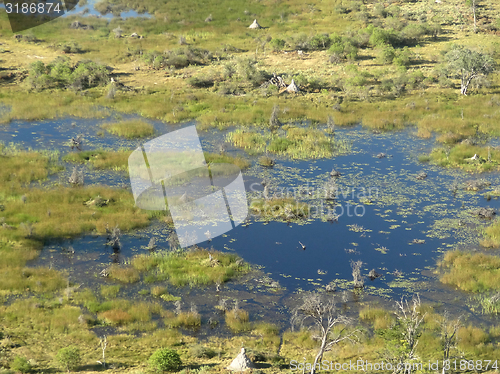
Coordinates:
(89, 10)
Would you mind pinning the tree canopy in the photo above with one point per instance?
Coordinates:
(468, 65)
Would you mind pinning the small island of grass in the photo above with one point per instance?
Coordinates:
(130, 129)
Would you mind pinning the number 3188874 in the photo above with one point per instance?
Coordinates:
(32, 8)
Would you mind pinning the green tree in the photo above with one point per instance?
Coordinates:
(468, 65)
(68, 358)
(165, 359)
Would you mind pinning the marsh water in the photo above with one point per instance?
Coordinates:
(381, 206)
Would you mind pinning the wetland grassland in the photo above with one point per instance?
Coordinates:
(387, 66)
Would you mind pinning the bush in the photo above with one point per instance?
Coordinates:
(415, 79)
(320, 41)
(165, 359)
(177, 59)
(154, 59)
(403, 57)
(21, 364)
(70, 47)
(68, 358)
(277, 44)
(60, 73)
(87, 74)
(200, 351)
(386, 54)
(248, 71)
(202, 81)
(379, 36)
(379, 10)
(342, 49)
(412, 33)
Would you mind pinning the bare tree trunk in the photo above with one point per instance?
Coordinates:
(319, 355)
(474, 11)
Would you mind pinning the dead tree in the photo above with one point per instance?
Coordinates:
(330, 124)
(449, 331)
(359, 282)
(114, 237)
(409, 318)
(473, 6)
(274, 121)
(103, 342)
(76, 177)
(173, 241)
(325, 316)
(152, 244)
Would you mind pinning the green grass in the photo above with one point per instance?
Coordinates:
(61, 212)
(189, 320)
(101, 159)
(31, 216)
(131, 129)
(123, 274)
(474, 272)
(459, 156)
(491, 235)
(23, 167)
(378, 317)
(109, 292)
(490, 304)
(279, 209)
(237, 320)
(192, 268)
(294, 142)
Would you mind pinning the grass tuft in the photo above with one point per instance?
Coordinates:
(474, 272)
(130, 129)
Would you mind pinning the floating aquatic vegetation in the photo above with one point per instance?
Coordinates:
(382, 250)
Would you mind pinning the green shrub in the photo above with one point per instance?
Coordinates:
(177, 59)
(248, 71)
(165, 359)
(412, 33)
(61, 74)
(70, 47)
(403, 57)
(202, 81)
(21, 364)
(320, 41)
(342, 49)
(200, 351)
(386, 54)
(87, 74)
(68, 358)
(379, 10)
(277, 44)
(379, 36)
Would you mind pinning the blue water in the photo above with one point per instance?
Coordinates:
(380, 234)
